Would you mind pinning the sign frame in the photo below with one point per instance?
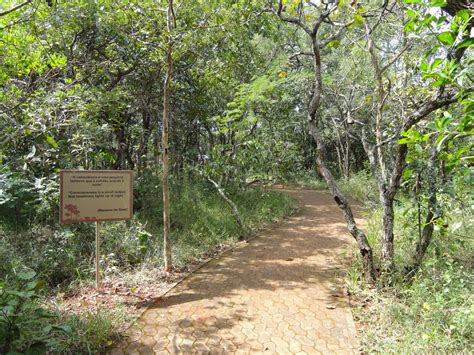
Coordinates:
(72, 171)
(90, 219)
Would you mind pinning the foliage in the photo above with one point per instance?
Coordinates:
(30, 327)
(202, 221)
(436, 305)
(361, 186)
(81, 86)
(23, 320)
(90, 333)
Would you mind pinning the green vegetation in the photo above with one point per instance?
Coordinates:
(436, 304)
(28, 325)
(202, 224)
(204, 99)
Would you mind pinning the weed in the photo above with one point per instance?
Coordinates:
(89, 333)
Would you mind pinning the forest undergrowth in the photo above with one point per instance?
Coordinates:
(45, 267)
(433, 312)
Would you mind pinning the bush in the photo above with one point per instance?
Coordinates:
(361, 186)
(26, 200)
(25, 325)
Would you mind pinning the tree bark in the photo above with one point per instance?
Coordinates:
(341, 201)
(428, 228)
(233, 206)
(314, 117)
(165, 139)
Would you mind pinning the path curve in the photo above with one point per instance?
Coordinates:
(279, 293)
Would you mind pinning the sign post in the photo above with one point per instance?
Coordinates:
(94, 196)
(97, 255)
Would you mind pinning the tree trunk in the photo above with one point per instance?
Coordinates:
(339, 161)
(347, 158)
(341, 201)
(428, 228)
(142, 152)
(165, 139)
(388, 221)
(313, 120)
(233, 206)
(313, 117)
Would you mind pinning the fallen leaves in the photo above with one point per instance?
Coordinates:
(114, 293)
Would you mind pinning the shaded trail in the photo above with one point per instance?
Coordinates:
(277, 294)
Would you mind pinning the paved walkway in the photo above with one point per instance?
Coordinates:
(279, 293)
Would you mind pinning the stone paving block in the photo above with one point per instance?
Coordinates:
(267, 296)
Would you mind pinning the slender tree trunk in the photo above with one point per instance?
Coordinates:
(381, 96)
(233, 206)
(347, 162)
(388, 221)
(313, 118)
(428, 228)
(165, 139)
(142, 152)
(339, 161)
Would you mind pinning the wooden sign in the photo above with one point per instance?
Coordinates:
(96, 195)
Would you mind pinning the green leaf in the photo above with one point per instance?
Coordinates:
(32, 285)
(22, 294)
(409, 26)
(464, 14)
(466, 43)
(26, 275)
(447, 37)
(52, 142)
(424, 66)
(436, 63)
(418, 148)
(407, 174)
(358, 19)
(438, 3)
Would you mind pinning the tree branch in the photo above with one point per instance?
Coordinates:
(301, 53)
(394, 59)
(15, 8)
(295, 20)
(335, 35)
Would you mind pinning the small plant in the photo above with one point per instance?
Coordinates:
(90, 333)
(23, 321)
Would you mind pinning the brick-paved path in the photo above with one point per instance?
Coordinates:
(275, 294)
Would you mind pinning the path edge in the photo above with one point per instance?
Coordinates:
(220, 253)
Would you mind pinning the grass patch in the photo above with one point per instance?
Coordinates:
(361, 186)
(205, 221)
(89, 333)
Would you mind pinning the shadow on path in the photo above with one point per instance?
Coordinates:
(277, 293)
